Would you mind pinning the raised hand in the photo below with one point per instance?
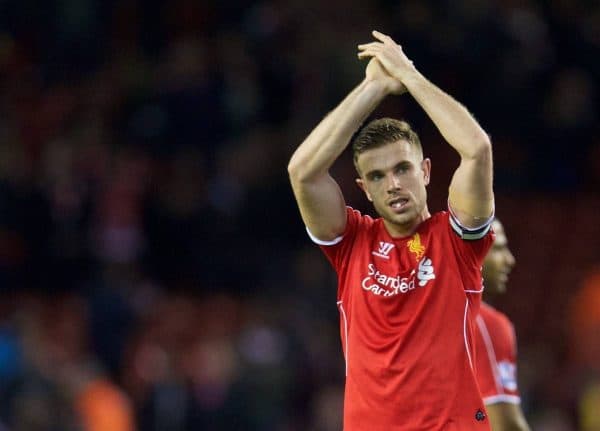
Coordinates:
(389, 54)
(376, 72)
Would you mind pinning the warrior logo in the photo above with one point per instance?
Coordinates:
(384, 249)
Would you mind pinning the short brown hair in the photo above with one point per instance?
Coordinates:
(381, 132)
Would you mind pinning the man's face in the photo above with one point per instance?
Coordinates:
(394, 177)
(498, 263)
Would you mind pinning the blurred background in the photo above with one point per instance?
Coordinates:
(154, 270)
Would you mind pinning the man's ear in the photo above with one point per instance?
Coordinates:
(361, 185)
(426, 167)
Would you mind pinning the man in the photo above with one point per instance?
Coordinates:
(409, 282)
(496, 344)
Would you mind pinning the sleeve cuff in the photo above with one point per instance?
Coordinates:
(321, 242)
(466, 233)
(502, 398)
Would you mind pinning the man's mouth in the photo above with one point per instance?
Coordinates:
(398, 203)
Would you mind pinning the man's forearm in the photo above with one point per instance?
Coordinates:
(452, 119)
(507, 417)
(328, 140)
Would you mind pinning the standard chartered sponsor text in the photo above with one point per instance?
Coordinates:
(382, 284)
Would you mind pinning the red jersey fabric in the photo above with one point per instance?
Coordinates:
(407, 308)
(496, 353)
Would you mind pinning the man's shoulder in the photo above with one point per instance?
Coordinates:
(492, 316)
(442, 214)
(439, 219)
(361, 221)
(433, 222)
(436, 228)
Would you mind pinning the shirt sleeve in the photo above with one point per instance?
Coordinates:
(338, 250)
(470, 250)
(469, 234)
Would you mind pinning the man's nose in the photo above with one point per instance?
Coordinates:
(394, 183)
(510, 258)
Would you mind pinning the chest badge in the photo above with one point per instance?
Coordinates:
(414, 246)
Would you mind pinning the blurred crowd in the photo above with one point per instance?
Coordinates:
(154, 271)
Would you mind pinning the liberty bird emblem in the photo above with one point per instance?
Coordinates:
(415, 246)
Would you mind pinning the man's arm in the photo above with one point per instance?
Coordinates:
(506, 417)
(319, 197)
(471, 196)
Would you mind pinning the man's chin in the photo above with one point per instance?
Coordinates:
(401, 219)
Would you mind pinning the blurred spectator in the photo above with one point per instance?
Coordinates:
(584, 324)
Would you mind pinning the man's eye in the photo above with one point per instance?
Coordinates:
(376, 177)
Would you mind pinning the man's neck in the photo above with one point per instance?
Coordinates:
(404, 231)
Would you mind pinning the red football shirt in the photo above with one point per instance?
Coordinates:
(407, 309)
(496, 349)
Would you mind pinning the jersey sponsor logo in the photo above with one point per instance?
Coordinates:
(383, 250)
(426, 271)
(415, 246)
(508, 375)
(381, 284)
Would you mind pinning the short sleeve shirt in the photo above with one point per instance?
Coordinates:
(407, 314)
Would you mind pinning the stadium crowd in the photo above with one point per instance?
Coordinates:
(154, 272)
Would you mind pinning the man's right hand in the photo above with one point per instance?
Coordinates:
(390, 55)
(376, 72)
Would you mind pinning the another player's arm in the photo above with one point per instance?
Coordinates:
(319, 197)
(506, 417)
(471, 195)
